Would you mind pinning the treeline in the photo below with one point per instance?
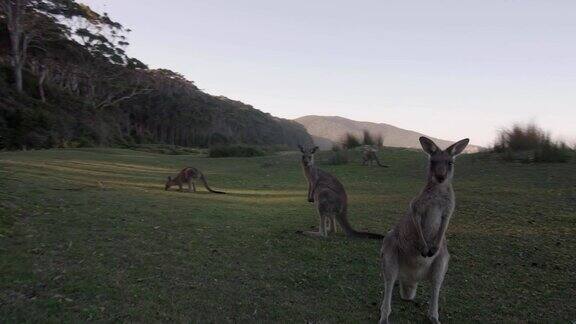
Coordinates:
(65, 84)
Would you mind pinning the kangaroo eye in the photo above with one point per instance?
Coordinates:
(450, 163)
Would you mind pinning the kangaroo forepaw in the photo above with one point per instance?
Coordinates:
(310, 199)
(428, 252)
(422, 248)
(424, 252)
(432, 251)
(433, 320)
(384, 321)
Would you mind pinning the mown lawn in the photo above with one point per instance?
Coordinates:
(90, 235)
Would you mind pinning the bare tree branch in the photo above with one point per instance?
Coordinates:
(110, 102)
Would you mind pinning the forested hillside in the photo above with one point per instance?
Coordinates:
(66, 81)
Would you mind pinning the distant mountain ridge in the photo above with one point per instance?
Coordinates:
(327, 130)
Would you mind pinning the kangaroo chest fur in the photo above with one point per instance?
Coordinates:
(433, 205)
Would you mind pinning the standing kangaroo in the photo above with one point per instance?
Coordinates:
(188, 175)
(330, 199)
(415, 249)
(369, 155)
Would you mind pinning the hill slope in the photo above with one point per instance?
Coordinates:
(327, 130)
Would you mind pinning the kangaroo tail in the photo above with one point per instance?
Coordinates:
(378, 162)
(350, 232)
(208, 187)
(368, 235)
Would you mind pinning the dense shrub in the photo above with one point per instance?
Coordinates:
(372, 139)
(380, 141)
(350, 141)
(529, 143)
(234, 151)
(367, 138)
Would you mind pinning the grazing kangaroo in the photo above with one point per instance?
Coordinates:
(188, 175)
(369, 155)
(330, 199)
(415, 249)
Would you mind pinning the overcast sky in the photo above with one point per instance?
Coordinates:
(447, 68)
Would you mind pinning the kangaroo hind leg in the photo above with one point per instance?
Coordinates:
(321, 228)
(437, 273)
(390, 268)
(331, 224)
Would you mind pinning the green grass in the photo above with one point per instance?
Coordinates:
(90, 235)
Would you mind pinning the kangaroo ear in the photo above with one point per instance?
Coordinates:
(169, 178)
(301, 148)
(314, 149)
(428, 146)
(458, 147)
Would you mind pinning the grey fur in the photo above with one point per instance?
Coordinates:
(330, 199)
(188, 175)
(415, 249)
(369, 155)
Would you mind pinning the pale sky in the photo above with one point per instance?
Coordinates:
(447, 68)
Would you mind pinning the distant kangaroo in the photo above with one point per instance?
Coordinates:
(415, 249)
(330, 199)
(369, 155)
(188, 175)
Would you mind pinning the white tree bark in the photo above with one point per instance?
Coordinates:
(14, 11)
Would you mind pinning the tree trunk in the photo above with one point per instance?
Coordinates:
(18, 77)
(14, 10)
(41, 80)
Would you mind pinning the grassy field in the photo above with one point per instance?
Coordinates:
(90, 235)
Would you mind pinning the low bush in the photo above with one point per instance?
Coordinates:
(372, 139)
(350, 141)
(529, 143)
